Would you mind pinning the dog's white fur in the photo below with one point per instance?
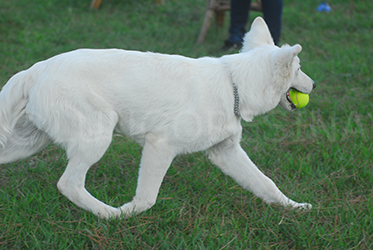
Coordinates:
(169, 104)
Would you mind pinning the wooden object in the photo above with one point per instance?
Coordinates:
(219, 7)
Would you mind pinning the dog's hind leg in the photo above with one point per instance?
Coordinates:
(71, 183)
(84, 148)
(26, 139)
(156, 158)
(233, 161)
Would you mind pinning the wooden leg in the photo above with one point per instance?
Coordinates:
(219, 18)
(95, 4)
(206, 24)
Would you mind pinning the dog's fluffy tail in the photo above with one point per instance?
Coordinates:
(19, 137)
(13, 100)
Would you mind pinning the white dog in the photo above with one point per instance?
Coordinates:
(169, 104)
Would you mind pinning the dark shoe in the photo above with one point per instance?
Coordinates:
(228, 45)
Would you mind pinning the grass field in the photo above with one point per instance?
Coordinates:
(321, 154)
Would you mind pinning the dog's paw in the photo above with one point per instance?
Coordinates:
(302, 206)
(108, 213)
(295, 205)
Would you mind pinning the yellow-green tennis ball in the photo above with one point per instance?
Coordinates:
(299, 99)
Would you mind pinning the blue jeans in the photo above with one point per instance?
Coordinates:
(272, 11)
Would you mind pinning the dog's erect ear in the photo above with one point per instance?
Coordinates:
(259, 34)
(283, 58)
(295, 50)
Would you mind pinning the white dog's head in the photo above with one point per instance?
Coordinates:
(285, 63)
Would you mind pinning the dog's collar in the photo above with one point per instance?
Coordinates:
(236, 107)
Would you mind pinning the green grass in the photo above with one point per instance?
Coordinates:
(321, 154)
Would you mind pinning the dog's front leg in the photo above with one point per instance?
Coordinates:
(156, 158)
(233, 161)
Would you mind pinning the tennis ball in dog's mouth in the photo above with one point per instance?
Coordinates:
(299, 99)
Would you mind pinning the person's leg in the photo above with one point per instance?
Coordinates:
(272, 11)
(239, 15)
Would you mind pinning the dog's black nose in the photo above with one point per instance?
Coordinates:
(313, 85)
